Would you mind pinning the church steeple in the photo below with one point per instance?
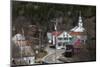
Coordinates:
(80, 23)
(79, 27)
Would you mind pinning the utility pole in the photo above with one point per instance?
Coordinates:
(22, 41)
(55, 25)
(39, 39)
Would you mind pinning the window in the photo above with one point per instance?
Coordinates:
(59, 44)
(65, 38)
(65, 43)
(59, 38)
(70, 38)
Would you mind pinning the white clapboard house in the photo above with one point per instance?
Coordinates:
(59, 39)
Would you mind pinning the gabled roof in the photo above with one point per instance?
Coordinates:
(76, 33)
(56, 33)
(61, 33)
(77, 29)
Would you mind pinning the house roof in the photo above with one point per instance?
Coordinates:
(76, 33)
(61, 33)
(77, 29)
(56, 33)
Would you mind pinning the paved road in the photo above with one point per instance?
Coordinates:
(53, 55)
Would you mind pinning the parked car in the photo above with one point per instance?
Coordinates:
(69, 51)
